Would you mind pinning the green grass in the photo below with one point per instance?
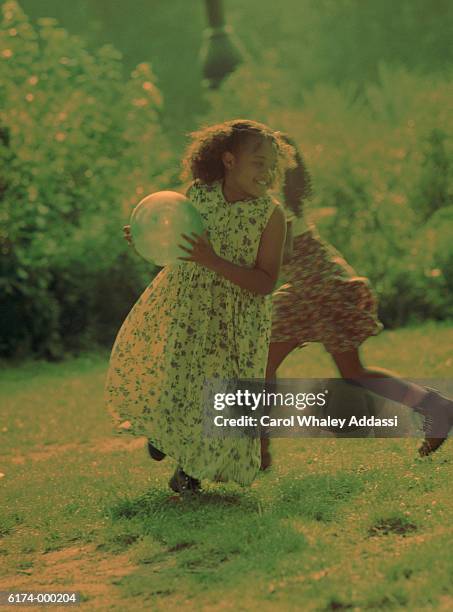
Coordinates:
(336, 524)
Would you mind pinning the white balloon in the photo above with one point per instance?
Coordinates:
(157, 223)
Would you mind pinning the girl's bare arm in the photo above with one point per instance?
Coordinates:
(260, 279)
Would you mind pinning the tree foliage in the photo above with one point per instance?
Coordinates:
(79, 146)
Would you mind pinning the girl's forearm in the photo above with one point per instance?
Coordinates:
(253, 279)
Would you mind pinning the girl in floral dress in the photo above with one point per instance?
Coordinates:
(325, 301)
(207, 316)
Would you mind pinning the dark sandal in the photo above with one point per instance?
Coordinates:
(430, 445)
(181, 482)
(437, 412)
(155, 453)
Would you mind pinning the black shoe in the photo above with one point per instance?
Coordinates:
(155, 453)
(180, 482)
(437, 412)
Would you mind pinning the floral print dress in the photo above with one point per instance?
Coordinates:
(323, 299)
(189, 326)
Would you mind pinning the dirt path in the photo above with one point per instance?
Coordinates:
(101, 445)
(81, 569)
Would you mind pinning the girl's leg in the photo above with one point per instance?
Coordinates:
(278, 351)
(350, 366)
(434, 407)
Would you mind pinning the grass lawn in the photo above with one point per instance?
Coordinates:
(336, 524)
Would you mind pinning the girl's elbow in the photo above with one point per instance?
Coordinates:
(265, 285)
(268, 287)
(262, 289)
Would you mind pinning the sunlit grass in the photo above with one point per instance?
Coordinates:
(335, 524)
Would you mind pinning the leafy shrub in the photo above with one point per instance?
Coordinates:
(79, 147)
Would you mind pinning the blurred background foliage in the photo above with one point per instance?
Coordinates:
(97, 97)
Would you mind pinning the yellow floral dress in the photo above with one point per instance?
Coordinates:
(189, 326)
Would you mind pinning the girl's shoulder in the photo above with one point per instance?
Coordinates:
(274, 203)
(269, 205)
(197, 190)
(204, 197)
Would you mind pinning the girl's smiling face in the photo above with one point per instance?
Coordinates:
(250, 171)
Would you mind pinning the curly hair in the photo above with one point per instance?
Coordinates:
(202, 160)
(297, 181)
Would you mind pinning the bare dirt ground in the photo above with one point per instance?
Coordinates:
(102, 445)
(82, 569)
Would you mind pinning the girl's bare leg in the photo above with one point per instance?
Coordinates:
(379, 381)
(278, 351)
(436, 409)
(350, 366)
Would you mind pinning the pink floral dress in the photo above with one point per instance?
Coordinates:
(323, 299)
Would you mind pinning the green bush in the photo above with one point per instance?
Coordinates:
(80, 144)
(79, 147)
(312, 40)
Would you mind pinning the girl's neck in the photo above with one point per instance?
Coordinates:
(233, 194)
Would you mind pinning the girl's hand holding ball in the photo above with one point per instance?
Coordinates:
(127, 234)
(201, 251)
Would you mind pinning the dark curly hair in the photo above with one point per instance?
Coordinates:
(202, 160)
(297, 185)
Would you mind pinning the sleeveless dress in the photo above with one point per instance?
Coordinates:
(189, 326)
(323, 299)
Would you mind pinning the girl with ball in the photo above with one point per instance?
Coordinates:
(207, 315)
